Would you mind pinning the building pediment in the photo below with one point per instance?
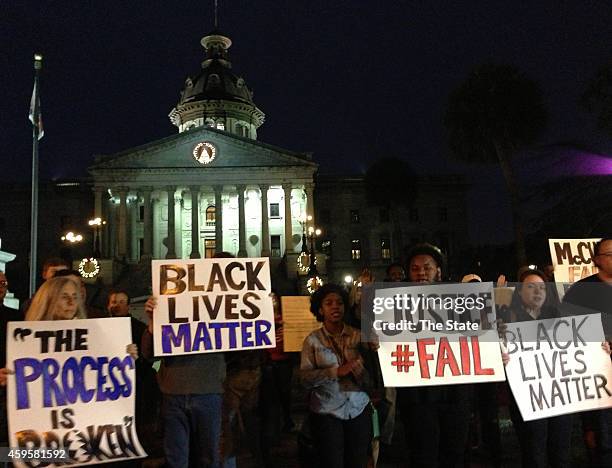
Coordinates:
(177, 152)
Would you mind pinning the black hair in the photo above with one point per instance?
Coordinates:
(551, 298)
(599, 245)
(427, 249)
(112, 292)
(393, 265)
(317, 298)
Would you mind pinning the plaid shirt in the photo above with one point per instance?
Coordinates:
(341, 397)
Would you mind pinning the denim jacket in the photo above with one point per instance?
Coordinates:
(342, 397)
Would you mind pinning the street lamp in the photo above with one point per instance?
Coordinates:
(312, 267)
(71, 237)
(303, 261)
(96, 224)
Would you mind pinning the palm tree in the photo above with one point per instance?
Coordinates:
(491, 116)
(390, 183)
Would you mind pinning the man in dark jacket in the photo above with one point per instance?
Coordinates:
(588, 296)
(436, 419)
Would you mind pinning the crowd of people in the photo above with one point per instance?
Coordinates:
(207, 408)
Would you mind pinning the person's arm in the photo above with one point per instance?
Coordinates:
(146, 342)
(310, 375)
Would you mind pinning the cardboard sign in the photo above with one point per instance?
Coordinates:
(212, 305)
(72, 395)
(437, 335)
(573, 260)
(298, 322)
(557, 366)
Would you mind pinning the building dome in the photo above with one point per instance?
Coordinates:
(217, 97)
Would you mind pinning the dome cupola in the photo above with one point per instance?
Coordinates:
(216, 97)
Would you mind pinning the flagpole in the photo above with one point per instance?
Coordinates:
(34, 210)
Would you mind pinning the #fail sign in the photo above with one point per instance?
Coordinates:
(212, 305)
(557, 366)
(437, 335)
(72, 395)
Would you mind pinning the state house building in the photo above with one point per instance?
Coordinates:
(210, 188)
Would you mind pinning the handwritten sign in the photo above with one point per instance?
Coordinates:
(557, 366)
(437, 335)
(73, 390)
(212, 305)
(573, 260)
(298, 322)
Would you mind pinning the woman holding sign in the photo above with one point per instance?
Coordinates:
(544, 442)
(58, 299)
(332, 369)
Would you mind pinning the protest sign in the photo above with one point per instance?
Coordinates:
(573, 260)
(71, 399)
(557, 366)
(437, 334)
(212, 305)
(298, 322)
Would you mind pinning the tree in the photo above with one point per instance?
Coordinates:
(390, 183)
(491, 116)
(597, 98)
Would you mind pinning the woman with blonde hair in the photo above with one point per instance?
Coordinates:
(57, 299)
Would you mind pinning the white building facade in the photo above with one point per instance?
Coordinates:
(210, 188)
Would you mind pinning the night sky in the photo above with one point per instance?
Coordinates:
(347, 80)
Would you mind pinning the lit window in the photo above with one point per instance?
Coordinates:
(209, 247)
(326, 247)
(220, 126)
(355, 216)
(210, 215)
(209, 123)
(385, 248)
(275, 249)
(242, 130)
(355, 249)
(274, 210)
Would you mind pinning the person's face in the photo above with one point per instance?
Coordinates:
(118, 305)
(396, 274)
(423, 269)
(533, 292)
(603, 259)
(50, 272)
(549, 271)
(332, 308)
(3, 286)
(82, 289)
(67, 303)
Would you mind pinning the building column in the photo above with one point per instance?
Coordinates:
(309, 191)
(122, 225)
(218, 218)
(171, 239)
(288, 222)
(147, 225)
(195, 221)
(242, 253)
(265, 228)
(98, 191)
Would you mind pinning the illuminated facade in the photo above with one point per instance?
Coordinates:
(210, 188)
